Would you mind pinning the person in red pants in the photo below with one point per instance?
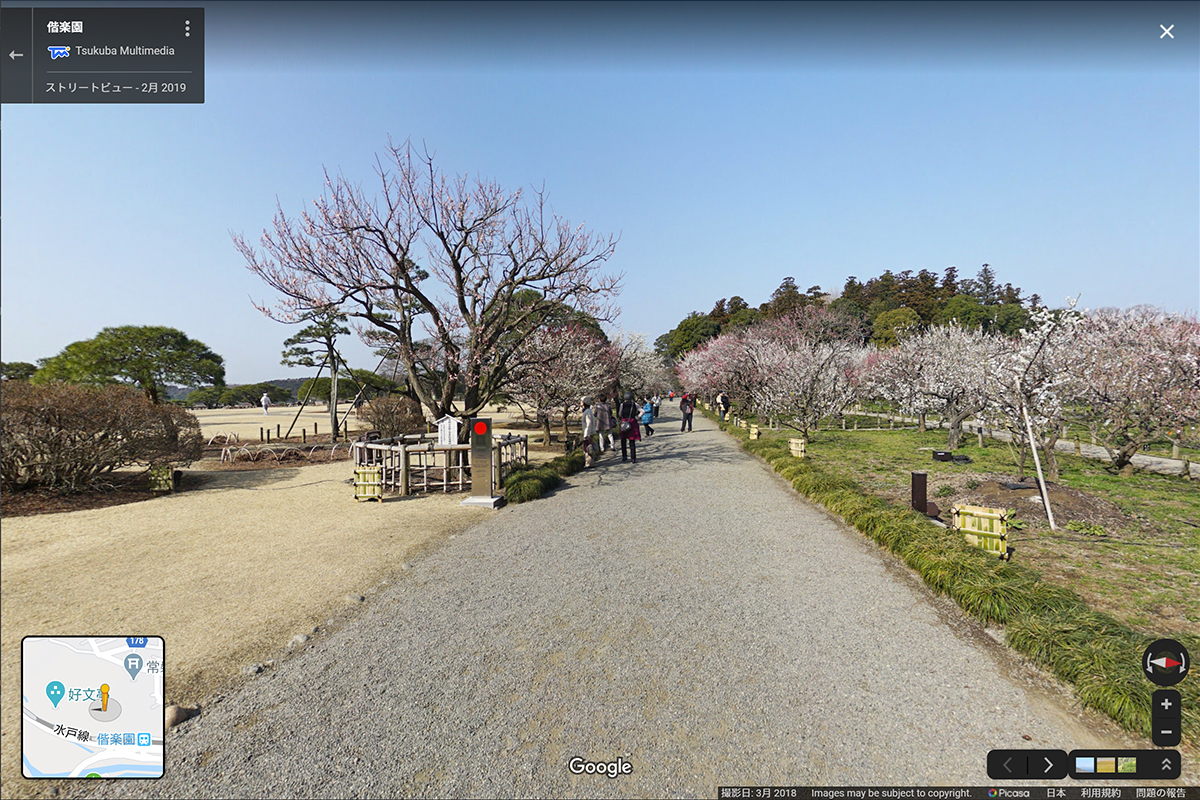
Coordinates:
(631, 432)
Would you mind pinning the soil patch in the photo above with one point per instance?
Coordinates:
(124, 488)
(993, 491)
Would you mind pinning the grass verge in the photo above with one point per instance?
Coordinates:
(1050, 624)
(532, 482)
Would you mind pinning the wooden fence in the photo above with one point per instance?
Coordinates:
(412, 464)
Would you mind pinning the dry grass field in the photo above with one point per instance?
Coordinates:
(227, 571)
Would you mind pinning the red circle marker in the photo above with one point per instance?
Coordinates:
(480, 428)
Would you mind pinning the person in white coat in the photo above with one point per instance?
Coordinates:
(266, 402)
(590, 429)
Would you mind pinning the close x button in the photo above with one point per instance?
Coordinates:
(1018, 764)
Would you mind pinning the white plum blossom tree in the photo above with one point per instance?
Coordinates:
(451, 273)
(638, 368)
(560, 364)
(1137, 379)
(1034, 381)
(947, 370)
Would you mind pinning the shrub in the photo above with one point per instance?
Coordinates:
(68, 437)
(531, 483)
(393, 415)
(1090, 528)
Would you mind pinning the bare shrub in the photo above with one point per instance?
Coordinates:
(394, 415)
(67, 437)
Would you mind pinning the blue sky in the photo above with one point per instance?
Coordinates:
(729, 146)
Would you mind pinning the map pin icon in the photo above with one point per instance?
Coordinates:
(133, 665)
(55, 691)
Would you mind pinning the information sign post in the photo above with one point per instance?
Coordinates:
(481, 466)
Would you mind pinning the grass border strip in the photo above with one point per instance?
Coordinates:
(531, 482)
(1051, 625)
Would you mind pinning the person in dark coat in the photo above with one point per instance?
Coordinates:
(631, 433)
(687, 405)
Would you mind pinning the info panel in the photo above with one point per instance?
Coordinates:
(102, 55)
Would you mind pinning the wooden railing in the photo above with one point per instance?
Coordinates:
(414, 464)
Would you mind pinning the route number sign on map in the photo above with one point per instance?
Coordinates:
(92, 707)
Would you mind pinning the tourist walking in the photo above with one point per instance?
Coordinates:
(627, 414)
(266, 402)
(687, 405)
(604, 422)
(590, 428)
(648, 416)
(725, 402)
(657, 405)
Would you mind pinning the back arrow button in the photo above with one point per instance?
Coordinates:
(14, 55)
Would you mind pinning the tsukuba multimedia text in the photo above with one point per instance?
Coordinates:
(124, 50)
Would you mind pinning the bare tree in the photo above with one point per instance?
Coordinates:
(449, 272)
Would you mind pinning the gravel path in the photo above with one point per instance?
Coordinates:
(689, 614)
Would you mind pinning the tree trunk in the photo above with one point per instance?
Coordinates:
(545, 419)
(1051, 464)
(1122, 458)
(921, 422)
(333, 390)
(1048, 450)
(956, 423)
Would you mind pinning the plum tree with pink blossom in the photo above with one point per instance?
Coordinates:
(797, 368)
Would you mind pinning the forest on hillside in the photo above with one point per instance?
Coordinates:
(887, 303)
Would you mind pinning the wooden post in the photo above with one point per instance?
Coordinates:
(1037, 462)
(304, 435)
(268, 435)
(919, 492)
(404, 470)
(260, 434)
(277, 436)
(314, 429)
